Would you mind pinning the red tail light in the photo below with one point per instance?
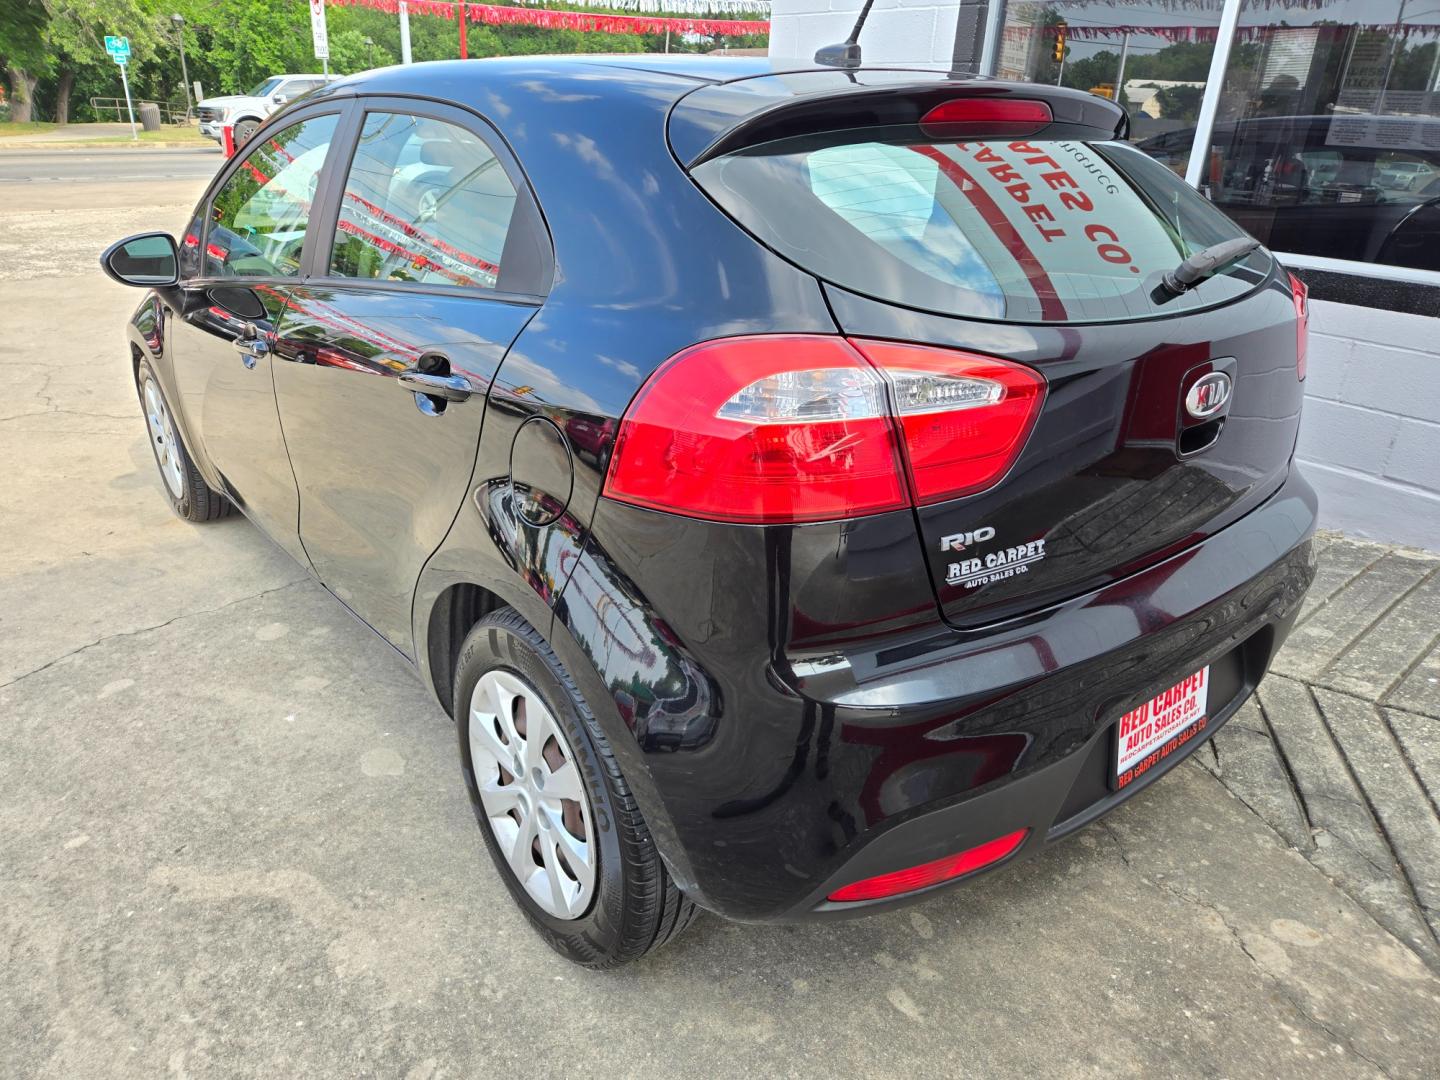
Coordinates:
(795, 428)
(1300, 293)
(986, 116)
(932, 873)
(763, 429)
(964, 418)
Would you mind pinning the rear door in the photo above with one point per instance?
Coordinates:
(433, 263)
(1049, 252)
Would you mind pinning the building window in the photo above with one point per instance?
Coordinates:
(1326, 133)
(1326, 140)
(1152, 57)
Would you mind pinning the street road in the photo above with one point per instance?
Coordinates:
(107, 165)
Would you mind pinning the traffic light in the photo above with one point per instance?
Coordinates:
(1059, 54)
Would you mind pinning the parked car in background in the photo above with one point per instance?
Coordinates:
(1406, 174)
(1370, 185)
(246, 111)
(803, 490)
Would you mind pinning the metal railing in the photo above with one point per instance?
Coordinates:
(169, 114)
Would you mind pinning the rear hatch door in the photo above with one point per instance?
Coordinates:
(1166, 416)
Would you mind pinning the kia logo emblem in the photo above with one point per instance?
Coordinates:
(1209, 395)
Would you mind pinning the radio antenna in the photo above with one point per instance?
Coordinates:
(845, 54)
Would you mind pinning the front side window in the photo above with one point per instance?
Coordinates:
(266, 88)
(296, 87)
(425, 202)
(258, 218)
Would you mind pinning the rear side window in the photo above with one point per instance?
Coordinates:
(425, 201)
(1052, 231)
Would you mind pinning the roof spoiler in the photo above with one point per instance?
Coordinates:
(726, 117)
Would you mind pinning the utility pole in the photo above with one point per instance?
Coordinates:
(404, 32)
(1120, 75)
(179, 21)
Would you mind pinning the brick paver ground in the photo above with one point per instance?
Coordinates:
(1340, 749)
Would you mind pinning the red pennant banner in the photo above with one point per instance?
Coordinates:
(551, 19)
(1203, 34)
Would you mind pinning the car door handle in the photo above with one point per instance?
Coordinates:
(449, 387)
(251, 349)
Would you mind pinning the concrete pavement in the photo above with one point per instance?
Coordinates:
(1340, 750)
(234, 842)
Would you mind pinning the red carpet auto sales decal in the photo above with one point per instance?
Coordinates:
(1149, 734)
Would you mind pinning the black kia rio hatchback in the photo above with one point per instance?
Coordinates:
(804, 488)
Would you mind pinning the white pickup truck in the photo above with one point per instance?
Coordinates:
(246, 111)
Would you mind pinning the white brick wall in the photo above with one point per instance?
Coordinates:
(1370, 438)
(897, 30)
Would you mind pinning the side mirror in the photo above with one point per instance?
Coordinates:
(148, 261)
(280, 99)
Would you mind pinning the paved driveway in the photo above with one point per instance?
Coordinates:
(233, 840)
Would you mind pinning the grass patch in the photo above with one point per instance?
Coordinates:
(33, 127)
(187, 136)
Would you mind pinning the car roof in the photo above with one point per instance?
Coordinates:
(474, 81)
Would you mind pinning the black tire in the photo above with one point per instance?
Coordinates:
(243, 130)
(196, 500)
(636, 907)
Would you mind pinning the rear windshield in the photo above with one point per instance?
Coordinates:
(1051, 231)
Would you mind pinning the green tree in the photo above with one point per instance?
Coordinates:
(75, 42)
(1180, 102)
(52, 50)
(22, 53)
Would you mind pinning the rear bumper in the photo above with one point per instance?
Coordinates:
(774, 776)
(1049, 803)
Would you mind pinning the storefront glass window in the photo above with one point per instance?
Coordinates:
(1151, 55)
(1327, 137)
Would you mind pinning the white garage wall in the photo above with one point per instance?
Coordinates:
(897, 30)
(1370, 438)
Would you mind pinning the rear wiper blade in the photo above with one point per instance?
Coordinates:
(1207, 262)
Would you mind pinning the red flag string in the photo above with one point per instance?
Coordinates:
(551, 19)
(1173, 34)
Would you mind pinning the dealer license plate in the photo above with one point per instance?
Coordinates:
(1146, 736)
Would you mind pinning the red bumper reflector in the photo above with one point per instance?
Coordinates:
(932, 873)
(1300, 293)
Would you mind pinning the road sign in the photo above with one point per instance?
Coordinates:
(119, 50)
(317, 30)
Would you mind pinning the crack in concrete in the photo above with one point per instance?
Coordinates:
(147, 629)
(1310, 684)
(50, 407)
(1272, 980)
(1290, 778)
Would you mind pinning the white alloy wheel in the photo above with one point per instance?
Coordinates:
(534, 800)
(162, 432)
